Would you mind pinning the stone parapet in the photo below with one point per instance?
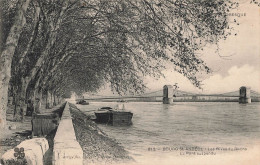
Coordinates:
(66, 149)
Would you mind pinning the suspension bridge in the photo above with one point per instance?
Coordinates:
(177, 95)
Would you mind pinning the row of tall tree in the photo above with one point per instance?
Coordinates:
(50, 48)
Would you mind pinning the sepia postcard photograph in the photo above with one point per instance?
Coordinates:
(129, 82)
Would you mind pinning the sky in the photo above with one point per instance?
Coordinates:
(236, 65)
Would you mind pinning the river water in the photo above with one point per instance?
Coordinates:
(160, 129)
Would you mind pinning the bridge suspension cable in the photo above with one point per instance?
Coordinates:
(178, 93)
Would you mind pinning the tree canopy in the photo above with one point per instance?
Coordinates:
(80, 45)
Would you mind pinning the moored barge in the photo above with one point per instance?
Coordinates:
(114, 117)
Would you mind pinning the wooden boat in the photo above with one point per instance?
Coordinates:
(105, 108)
(122, 101)
(114, 117)
(82, 102)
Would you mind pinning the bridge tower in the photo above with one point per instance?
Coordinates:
(244, 95)
(167, 94)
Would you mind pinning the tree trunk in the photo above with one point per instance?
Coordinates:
(3, 104)
(54, 27)
(47, 104)
(23, 98)
(48, 100)
(37, 100)
(33, 35)
(51, 99)
(37, 95)
(55, 98)
(16, 105)
(58, 100)
(7, 56)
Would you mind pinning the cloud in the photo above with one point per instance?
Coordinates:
(235, 78)
(239, 49)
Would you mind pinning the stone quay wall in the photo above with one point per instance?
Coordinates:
(66, 149)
